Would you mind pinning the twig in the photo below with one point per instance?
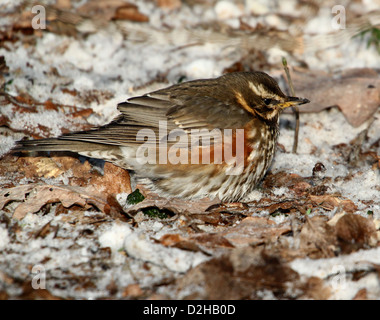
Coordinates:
(295, 108)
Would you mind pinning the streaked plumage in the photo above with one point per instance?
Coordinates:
(245, 100)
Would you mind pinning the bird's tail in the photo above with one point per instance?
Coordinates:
(55, 144)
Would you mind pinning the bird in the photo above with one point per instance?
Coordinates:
(207, 138)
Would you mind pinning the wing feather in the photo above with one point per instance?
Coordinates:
(183, 107)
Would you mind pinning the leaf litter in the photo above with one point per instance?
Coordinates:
(315, 215)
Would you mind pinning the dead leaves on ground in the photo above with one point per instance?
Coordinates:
(233, 225)
(248, 273)
(33, 198)
(249, 254)
(87, 189)
(355, 91)
(260, 266)
(63, 19)
(317, 237)
(24, 106)
(249, 251)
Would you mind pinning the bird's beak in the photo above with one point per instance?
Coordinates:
(293, 101)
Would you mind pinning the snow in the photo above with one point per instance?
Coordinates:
(140, 247)
(338, 272)
(318, 134)
(227, 10)
(115, 236)
(4, 238)
(110, 61)
(7, 143)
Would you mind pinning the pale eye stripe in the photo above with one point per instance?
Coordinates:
(260, 91)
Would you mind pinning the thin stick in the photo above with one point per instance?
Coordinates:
(295, 108)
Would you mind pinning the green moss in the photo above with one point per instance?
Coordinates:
(152, 212)
(135, 197)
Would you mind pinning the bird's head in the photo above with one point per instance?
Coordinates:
(259, 94)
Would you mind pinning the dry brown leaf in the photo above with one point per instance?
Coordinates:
(241, 274)
(112, 9)
(30, 293)
(170, 240)
(197, 242)
(355, 231)
(329, 202)
(130, 12)
(318, 238)
(292, 181)
(115, 180)
(362, 294)
(34, 196)
(356, 92)
(211, 240)
(175, 205)
(8, 195)
(46, 167)
(315, 288)
(169, 4)
(254, 231)
(45, 230)
(132, 291)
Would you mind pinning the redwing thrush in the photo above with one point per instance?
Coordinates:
(247, 104)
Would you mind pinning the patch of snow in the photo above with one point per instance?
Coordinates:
(337, 271)
(140, 247)
(6, 144)
(115, 236)
(4, 238)
(227, 10)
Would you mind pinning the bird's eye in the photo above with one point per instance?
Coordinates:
(267, 101)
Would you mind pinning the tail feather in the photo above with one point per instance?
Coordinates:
(54, 144)
(104, 152)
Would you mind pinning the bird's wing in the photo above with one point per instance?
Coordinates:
(158, 113)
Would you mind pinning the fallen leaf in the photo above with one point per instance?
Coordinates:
(241, 274)
(112, 9)
(254, 231)
(169, 4)
(47, 168)
(175, 205)
(132, 291)
(170, 240)
(30, 293)
(329, 202)
(130, 12)
(318, 238)
(202, 242)
(315, 288)
(45, 230)
(34, 196)
(282, 207)
(355, 232)
(294, 182)
(356, 92)
(362, 294)
(114, 180)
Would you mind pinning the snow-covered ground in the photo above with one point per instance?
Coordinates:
(127, 58)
